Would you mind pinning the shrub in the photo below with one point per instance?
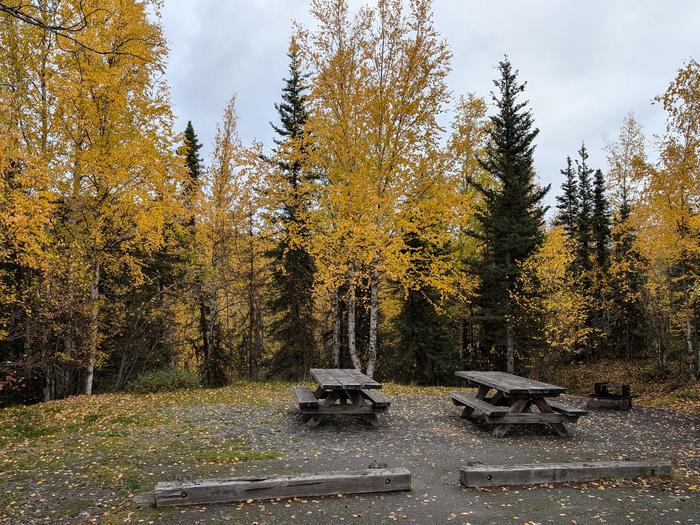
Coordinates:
(163, 381)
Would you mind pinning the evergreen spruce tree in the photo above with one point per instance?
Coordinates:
(292, 265)
(600, 230)
(215, 363)
(584, 223)
(166, 268)
(193, 163)
(424, 350)
(512, 216)
(629, 321)
(600, 222)
(567, 203)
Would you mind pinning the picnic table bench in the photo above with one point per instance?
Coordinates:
(512, 402)
(341, 391)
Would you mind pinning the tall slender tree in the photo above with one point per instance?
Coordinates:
(193, 183)
(567, 202)
(600, 222)
(193, 163)
(424, 352)
(512, 216)
(626, 162)
(600, 279)
(292, 265)
(116, 131)
(379, 82)
(671, 217)
(584, 223)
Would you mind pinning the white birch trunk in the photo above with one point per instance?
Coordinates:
(92, 336)
(692, 364)
(336, 330)
(373, 314)
(352, 349)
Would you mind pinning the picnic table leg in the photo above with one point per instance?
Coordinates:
(498, 398)
(331, 397)
(320, 393)
(481, 394)
(358, 399)
(483, 390)
(313, 421)
(559, 428)
(519, 405)
(467, 412)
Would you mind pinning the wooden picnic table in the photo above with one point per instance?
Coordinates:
(512, 402)
(341, 391)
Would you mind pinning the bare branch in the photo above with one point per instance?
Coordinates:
(30, 14)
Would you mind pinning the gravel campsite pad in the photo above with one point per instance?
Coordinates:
(423, 433)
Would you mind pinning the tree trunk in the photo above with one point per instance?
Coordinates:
(204, 326)
(352, 349)
(255, 334)
(373, 314)
(47, 385)
(510, 357)
(461, 335)
(336, 330)
(212, 335)
(92, 336)
(691, 367)
(120, 374)
(662, 365)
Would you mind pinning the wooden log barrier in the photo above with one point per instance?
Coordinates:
(241, 489)
(526, 474)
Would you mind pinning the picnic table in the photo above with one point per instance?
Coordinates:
(341, 391)
(512, 402)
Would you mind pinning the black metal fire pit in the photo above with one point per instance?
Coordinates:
(610, 396)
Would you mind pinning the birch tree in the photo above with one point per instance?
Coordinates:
(115, 119)
(378, 84)
(669, 213)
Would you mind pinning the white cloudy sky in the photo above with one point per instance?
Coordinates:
(586, 63)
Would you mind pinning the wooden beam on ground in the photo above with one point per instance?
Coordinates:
(241, 489)
(496, 475)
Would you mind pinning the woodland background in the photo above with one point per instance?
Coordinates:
(366, 236)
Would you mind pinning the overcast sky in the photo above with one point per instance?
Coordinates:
(586, 63)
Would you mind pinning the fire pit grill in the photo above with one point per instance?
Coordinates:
(610, 396)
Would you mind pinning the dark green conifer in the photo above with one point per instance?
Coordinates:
(601, 223)
(584, 226)
(292, 266)
(628, 318)
(567, 202)
(193, 161)
(512, 217)
(424, 351)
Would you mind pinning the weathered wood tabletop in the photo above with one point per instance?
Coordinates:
(510, 384)
(342, 379)
(341, 391)
(513, 401)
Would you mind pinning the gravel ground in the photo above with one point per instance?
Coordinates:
(425, 434)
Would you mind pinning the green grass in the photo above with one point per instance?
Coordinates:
(116, 444)
(132, 481)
